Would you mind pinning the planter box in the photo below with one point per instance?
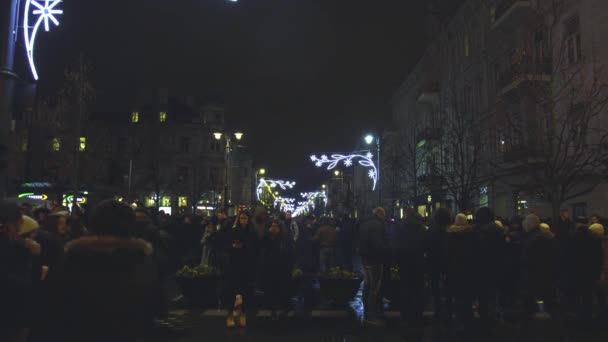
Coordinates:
(341, 291)
(203, 291)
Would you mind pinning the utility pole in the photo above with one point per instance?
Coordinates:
(8, 35)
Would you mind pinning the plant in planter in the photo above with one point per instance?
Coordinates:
(340, 285)
(199, 284)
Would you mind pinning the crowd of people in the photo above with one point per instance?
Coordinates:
(486, 267)
(66, 275)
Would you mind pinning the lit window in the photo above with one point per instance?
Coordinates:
(165, 201)
(183, 202)
(82, 146)
(135, 117)
(163, 116)
(56, 144)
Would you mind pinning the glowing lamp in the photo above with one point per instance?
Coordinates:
(238, 135)
(217, 136)
(262, 171)
(337, 173)
(369, 139)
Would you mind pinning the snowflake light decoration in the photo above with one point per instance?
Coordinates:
(269, 183)
(335, 159)
(45, 12)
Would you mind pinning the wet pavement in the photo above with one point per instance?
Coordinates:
(327, 323)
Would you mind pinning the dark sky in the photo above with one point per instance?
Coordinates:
(297, 76)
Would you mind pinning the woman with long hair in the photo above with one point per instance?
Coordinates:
(241, 244)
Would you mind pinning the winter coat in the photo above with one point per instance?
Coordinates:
(490, 240)
(15, 283)
(242, 249)
(105, 289)
(306, 250)
(409, 242)
(326, 236)
(435, 248)
(563, 230)
(604, 276)
(588, 258)
(538, 262)
(371, 242)
(460, 259)
(277, 262)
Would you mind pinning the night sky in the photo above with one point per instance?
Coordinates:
(297, 76)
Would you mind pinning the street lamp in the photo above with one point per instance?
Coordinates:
(369, 139)
(218, 136)
(337, 173)
(259, 175)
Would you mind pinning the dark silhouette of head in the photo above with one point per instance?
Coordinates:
(112, 218)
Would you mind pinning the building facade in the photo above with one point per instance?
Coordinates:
(505, 109)
(161, 154)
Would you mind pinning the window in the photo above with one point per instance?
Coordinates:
(165, 201)
(135, 117)
(56, 144)
(539, 45)
(572, 40)
(183, 201)
(215, 145)
(82, 145)
(162, 116)
(184, 144)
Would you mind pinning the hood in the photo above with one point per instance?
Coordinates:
(108, 245)
(455, 228)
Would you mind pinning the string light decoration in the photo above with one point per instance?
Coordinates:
(270, 184)
(45, 11)
(334, 160)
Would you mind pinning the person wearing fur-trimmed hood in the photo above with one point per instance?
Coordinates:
(105, 288)
(538, 268)
(460, 268)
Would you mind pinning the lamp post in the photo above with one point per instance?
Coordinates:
(258, 175)
(369, 139)
(218, 136)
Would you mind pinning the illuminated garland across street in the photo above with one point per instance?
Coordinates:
(44, 10)
(347, 161)
(270, 184)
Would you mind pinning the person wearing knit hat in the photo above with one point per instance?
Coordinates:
(538, 268)
(597, 229)
(587, 267)
(29, 227)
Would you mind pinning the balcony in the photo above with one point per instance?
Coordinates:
(509, 12)
(428, 134)
(526, 70)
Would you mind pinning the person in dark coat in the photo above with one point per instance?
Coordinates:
(588, 259)
(106, 286)
(242, 248)
(436, 237)
(538, 269)
(372, 247)
(490, 240)
(460, 264)
(16, 270)
(277, 262)
(409, 252)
